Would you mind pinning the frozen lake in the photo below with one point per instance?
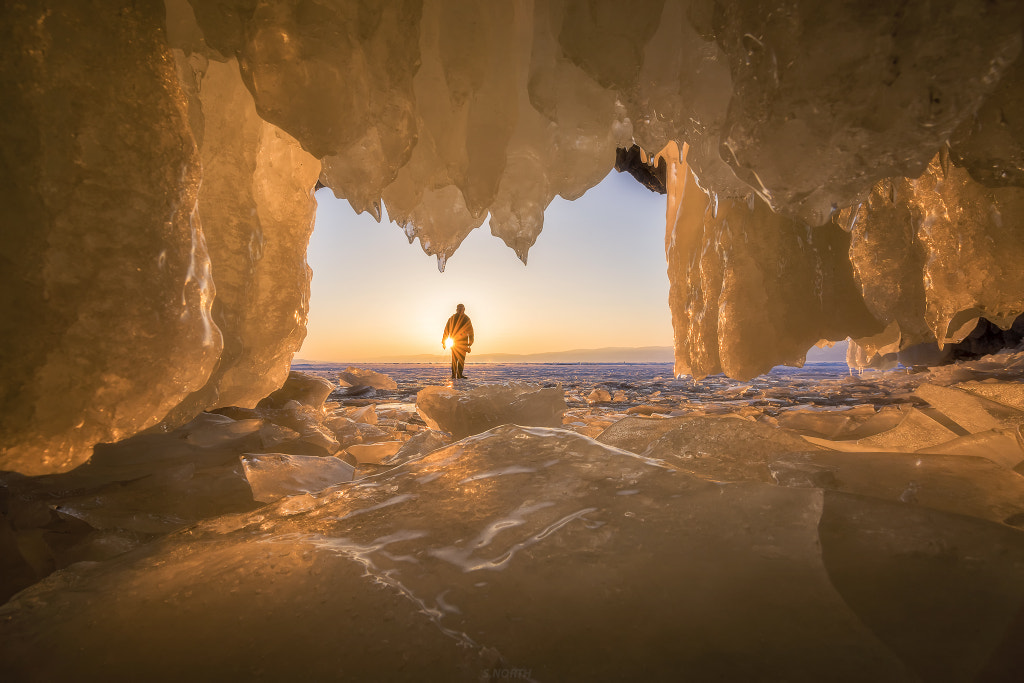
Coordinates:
(598, 522)
(814, 384)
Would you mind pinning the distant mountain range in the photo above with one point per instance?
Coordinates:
(608, 354)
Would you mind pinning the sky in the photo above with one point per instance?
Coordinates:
(596, 278)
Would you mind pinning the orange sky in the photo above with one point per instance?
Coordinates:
(596, 278)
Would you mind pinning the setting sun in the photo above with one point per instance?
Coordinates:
(571, 296)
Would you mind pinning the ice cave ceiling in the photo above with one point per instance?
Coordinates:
(833, 169)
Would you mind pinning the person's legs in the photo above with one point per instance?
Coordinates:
(458, 360)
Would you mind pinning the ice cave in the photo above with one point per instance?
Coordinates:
(178, 501)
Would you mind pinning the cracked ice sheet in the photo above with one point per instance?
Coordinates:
(961, 484)
(498, 542)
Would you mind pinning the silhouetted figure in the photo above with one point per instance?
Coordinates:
(460, 329)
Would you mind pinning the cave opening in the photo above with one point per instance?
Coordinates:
(177, 500)
(595, 279)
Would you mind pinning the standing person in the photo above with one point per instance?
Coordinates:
(459, 329)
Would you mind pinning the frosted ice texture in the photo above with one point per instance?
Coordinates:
(990, 144)
(814, 114)
(511, 105)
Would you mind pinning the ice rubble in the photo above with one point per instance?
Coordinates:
(525, 547)
(158, 482)
(816, 137)
(520, 547)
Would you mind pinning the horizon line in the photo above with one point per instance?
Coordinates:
(668, 351)
(607, 354)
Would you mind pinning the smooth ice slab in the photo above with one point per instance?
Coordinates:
(364, 377)
(635, 434)
(915, 431)
(1001, 446)
(905, 570)
(966, 410)
(275, 475)
(301, 387)
(462, 413)
(725, 449)
(374, 453)
(164, 501)
(962, 484)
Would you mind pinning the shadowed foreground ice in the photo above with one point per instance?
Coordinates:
(804, 527)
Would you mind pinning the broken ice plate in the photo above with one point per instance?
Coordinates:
(273, 476)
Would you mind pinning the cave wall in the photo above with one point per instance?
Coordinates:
(848, 170)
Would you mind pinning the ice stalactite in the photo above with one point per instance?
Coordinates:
(974, 248)
(105, 278)
(463, 88)
(802, 120)
(749, 287)
(257, 211)
(934, 254)
(829, 98)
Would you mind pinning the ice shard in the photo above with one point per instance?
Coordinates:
(959, 406)
(304, 389)
(724, 449)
